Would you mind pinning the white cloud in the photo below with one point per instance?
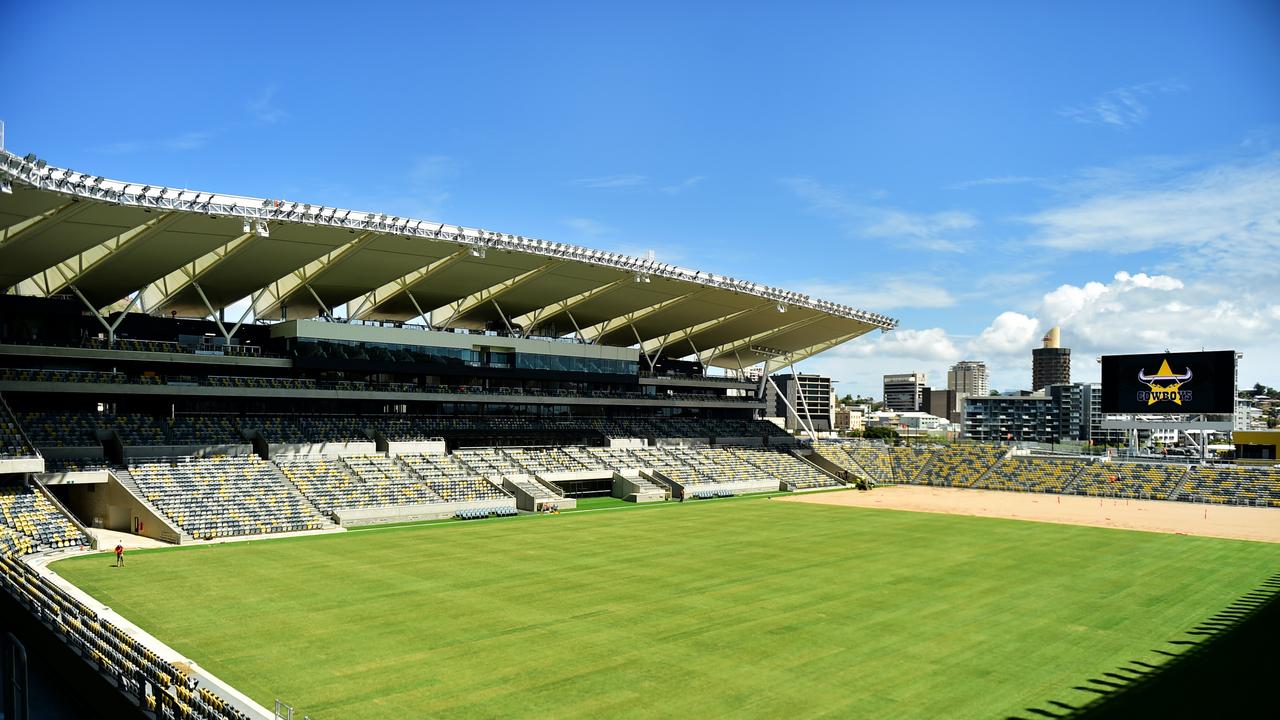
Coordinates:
(612, 181)
(1122, 107)
(886, 294)
(1010, 333)
(263, 108)
(185, 142)
(1223, 219)
(188, 141)
(684, 185)
(939, 231)
(998, 180)
(931, 344)
(1130, 313)
(587, 227)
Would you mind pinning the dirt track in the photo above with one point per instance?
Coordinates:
(1224, 521)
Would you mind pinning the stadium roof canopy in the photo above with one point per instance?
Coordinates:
(191, 252)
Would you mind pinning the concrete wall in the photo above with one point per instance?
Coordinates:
(22, 465)
(425, 447)
(109, 505)
(158, 451)
(276, 450)
(348, 517)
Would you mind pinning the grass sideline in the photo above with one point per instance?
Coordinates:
(743, 608)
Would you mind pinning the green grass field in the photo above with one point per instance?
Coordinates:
(742, 608)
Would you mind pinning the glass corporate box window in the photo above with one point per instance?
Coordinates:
(394, 352)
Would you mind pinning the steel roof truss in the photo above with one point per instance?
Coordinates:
(75, 267)
(369, 302)
(604, 328)
(167, 288)
(278, 290)
(530, 320)
(493, 292)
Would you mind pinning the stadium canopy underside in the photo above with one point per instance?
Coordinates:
(192, 253)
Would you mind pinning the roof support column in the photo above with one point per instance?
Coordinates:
(425, 316)
(503, 315)
(324, 309)
(110, 328)
(581, 338)
(803, 401)
(790, 407)
(698, 355)
(641, 343)
(217, 317)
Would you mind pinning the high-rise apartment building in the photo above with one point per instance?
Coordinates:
(968, 377)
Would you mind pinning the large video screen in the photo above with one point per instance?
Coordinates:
(1184, 383)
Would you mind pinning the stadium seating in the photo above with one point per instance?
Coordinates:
(908, 462)
(787, 468)
(224, 496)
(13, 444)
(545, 460)
(869, 458)
(1033, 474)
(959, 465)
(206, 430)
(488, 461)
(1130, 480)
(1234, 484)
(33, 523)
(61, 429)
(451, 480)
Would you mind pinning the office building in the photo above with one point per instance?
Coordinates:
(809, 397)
(904, 392)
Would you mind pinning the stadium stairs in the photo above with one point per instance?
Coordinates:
(533, 495)
(326, 520)
(175, 534)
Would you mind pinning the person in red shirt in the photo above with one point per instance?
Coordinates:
(119, 555)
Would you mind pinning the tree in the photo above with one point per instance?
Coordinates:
(880, 432)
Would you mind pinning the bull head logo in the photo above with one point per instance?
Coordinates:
(1166, 385)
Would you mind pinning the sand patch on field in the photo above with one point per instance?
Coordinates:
(1222, 521)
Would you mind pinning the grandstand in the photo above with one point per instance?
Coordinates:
(395, 370)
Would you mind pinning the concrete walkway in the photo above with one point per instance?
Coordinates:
(107, 540)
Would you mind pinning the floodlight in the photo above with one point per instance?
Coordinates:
(260, 228)
(6, 187)
(245, 227)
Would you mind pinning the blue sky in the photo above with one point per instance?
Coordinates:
(980, 171)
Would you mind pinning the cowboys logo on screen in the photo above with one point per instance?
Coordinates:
(1164, 386)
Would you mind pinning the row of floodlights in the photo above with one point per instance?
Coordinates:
(642, 268)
